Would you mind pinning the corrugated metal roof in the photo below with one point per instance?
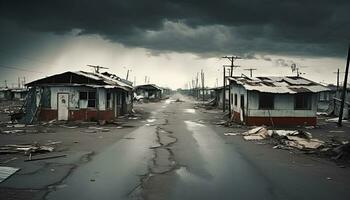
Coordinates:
(149, 85)
(100, 80)
(278, 84)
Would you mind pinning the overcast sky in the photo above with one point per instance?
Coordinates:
(170, 41)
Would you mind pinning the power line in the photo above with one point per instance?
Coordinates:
(19, 69)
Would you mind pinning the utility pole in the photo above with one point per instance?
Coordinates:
(6, 84)
(344, 90)
(251, 71)
(145, 79)
(134, 80)
(127, 74)
(202, 77)
(97, 68)
(197, 91)
(19, 82)
(232, 59)
(24, 81)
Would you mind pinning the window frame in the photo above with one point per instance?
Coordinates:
(307, 97)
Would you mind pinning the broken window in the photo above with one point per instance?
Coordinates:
(235, 99)
(91, 100)
(302, 101)
(266, 101)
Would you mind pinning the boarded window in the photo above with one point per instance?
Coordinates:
(83, 95)
(266, 101)
(91, 99)
(235, 99)
(302, 102)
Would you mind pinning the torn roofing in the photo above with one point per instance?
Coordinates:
(148, 86)
(82, 78)
(276, 84)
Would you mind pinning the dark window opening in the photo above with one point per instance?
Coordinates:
(302, 102)
(235, 99)
(83, 95)
(91, 103)
(242, 101)
(108, 100)
(266, 101)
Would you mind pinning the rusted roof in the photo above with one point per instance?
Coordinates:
(278, 84)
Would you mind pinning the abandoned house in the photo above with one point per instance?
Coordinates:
(219, 96)
(276, 101)
(78, 96)
(149, 91)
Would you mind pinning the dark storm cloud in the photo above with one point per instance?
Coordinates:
(245, 27)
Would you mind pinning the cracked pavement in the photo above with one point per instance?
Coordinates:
(178, 152)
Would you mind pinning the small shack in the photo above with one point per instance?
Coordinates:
(78, 96)
(149, 91)
(276, 101)
(219, 96)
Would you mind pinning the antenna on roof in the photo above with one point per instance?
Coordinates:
(97, 68)
(295, 68)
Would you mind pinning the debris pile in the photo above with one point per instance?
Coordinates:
(25, 148)
(299, 140)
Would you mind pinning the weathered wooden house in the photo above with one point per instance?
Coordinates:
(277, 101)
(149, 91)
(78, 96)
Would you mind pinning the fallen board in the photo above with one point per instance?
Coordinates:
(6, 172)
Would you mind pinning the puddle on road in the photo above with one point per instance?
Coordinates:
(185, 175)
(190, 110)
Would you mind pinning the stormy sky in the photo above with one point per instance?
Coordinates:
(170, 41)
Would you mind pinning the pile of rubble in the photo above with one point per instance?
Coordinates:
(300, 140)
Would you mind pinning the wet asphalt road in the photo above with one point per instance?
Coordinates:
(176, 156)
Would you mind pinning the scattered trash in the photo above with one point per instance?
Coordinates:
(231, 134)
(99, 129)
(16, 126)
(336, 131)
(151, 120)
(71, 127)
(26, 148)
(44, 158)
(13, 131)
(150, 124)
(6, 172)
(329, 178)
(258, 133)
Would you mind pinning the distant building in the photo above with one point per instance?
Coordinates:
(149, 91)
(5, 94)
(279, 101)
(13, 93)
(78, 96)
